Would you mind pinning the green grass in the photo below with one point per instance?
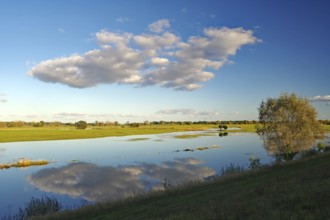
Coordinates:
(138, 139)
(327, 128)
(296, 190)
(244, 128)
(64, 133)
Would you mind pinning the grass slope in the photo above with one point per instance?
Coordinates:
(297, 190)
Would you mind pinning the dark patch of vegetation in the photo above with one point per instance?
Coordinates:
(223, 134)
(36, 207)
(254, 162)
(223, 127)
(81, 125)
(199, 149)
(231, 169)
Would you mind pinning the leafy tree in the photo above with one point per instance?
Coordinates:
(288, 125)
(39, 124)
(81, 125)
(224, 127)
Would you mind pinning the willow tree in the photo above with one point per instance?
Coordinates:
(288, 125)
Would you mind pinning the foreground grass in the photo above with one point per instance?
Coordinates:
(297, 190)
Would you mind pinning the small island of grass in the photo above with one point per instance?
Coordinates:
(23, 162)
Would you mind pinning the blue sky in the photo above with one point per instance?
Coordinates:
(160, 60)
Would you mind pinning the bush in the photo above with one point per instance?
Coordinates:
(254, 162)
(81, 125)
(223, 127)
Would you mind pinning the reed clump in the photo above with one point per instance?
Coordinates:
(23, 162)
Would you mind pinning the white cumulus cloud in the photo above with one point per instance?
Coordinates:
(319, 98)
(159, 26)
(190, 112)
(156, 42)
(161, 58)
(3, 98)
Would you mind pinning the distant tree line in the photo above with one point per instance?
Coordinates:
(16, 124)
(325, 122)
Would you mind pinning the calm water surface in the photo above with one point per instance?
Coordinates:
(90, 170)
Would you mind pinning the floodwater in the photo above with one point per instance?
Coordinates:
(93, 170)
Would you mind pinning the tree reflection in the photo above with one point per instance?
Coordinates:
(280, 145)
(222, 134)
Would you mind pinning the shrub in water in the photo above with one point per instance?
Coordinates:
(254, 163)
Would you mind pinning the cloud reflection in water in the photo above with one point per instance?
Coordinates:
(96, 183)
(2, 150)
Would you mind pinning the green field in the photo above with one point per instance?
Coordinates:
(295, 190)
(70, 132)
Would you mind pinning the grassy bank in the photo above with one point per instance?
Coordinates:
(297, 190)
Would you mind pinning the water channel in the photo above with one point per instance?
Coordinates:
(92, 170)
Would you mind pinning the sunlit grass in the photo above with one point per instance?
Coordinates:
(207, 148)
(243, 127)
(23, 163)
(138, 139)
(64, 133)
(327, 128)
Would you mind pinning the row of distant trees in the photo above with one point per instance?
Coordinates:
(10, 124)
